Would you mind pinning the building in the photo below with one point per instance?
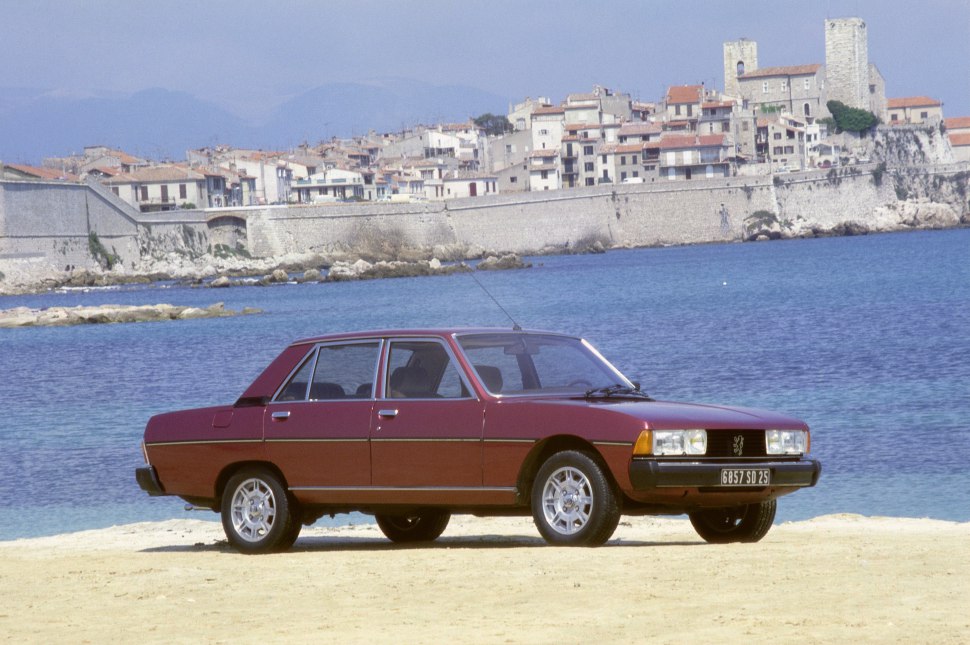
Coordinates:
(740, 57)
(958, 132)
(914, 109)
(682, 106)
(544, 173)
(847, 62)
(796, 89)
(161, 188)
(686, 157)
(331, 185)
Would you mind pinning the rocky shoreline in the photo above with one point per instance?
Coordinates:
(102, 314)
(215, 272)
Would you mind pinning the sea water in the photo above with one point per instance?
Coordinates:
(865, 338)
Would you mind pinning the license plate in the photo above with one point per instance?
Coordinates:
(745, 477)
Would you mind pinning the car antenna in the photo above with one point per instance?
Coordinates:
(515, 325)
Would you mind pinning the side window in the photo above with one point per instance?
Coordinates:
(489, 361)
(334, 372)
(295, 390)
(345, 372)
(422, 370)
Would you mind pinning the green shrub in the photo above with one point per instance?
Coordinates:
(849, 119)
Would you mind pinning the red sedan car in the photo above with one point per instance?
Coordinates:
(415, 425)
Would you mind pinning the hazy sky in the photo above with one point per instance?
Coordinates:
(250, 55)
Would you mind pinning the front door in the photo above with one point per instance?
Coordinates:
(426, 430)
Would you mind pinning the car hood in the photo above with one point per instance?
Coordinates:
(664, 415)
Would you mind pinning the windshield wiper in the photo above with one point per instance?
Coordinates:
(617, 390)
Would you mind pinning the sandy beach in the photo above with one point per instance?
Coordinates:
(834, 579)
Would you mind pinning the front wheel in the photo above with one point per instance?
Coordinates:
(258, 515)
(425, 526)
(574, 502)
(747, 523)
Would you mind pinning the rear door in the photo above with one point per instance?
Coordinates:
(316, 427)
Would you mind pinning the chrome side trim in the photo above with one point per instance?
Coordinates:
(423, 440)
(202, 442)
(622, 444)
(457, 489)
(494, 440)
(322, 440)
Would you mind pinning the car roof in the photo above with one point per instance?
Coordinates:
(432, 331)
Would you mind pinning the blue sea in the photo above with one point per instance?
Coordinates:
(866, 338)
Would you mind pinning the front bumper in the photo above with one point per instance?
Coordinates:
(647, 474)
(147, 480)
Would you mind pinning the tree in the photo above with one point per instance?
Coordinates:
(493, 124)
(850, 119)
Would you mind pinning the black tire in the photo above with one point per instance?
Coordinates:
(574, 501)
(747, 523)
(258, 514)
(424, 526)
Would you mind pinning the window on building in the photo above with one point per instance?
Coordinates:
(144, 193)
(590, 181)
(543, 131)
(725, 126)
(789, 150)
(164, 192)
(622, 176)
(622, 160)
(808, 109)
(745, 126)
(635, 160)
(807, 83)
(587, 150)
(588, 166)
(784, 86)
(894, 117)
(636, 173)
(545, 174)
(690, 110)
(924, 115)
(513, 180)
(114, 189)
(677, 110)
(776, 150)
(764, 87)
(777, 135)
(604, 158)
(183, 193)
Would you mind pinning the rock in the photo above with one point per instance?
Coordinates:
(311, 275)
(220, 283)
(435, 264)
(509, 261)
(280, 276)
(60, 316)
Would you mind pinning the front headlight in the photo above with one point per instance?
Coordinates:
(786, 442)
(672, 442)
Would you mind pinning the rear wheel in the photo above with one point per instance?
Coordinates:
(747, 523)
(258, 515)
(573, 501)
(425, 526)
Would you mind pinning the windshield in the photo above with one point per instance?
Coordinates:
(518, 363)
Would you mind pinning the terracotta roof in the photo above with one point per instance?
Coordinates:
(41, 173)
(791, 70)
(629, 147)
(960, 139)
(685, 94)
(157, 174)
(573, 127)
(957, 122)
(718, 104)
(637, 128)
(544, 154)
(689, 141)
(911, 101)
(548, 110)
(542, 166)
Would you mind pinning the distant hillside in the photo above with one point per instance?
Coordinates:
(160, 124)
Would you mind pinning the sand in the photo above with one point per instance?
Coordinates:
(835, 579)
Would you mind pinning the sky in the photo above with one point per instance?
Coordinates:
(249, 56)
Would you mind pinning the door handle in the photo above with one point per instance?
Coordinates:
(387, 413)
(281, 416)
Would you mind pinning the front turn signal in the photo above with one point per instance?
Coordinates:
(644, 444)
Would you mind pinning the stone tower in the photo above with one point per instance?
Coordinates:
(740, 56)
(847, 61)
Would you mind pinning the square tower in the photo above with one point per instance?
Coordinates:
(740, 57)
(847, 61)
